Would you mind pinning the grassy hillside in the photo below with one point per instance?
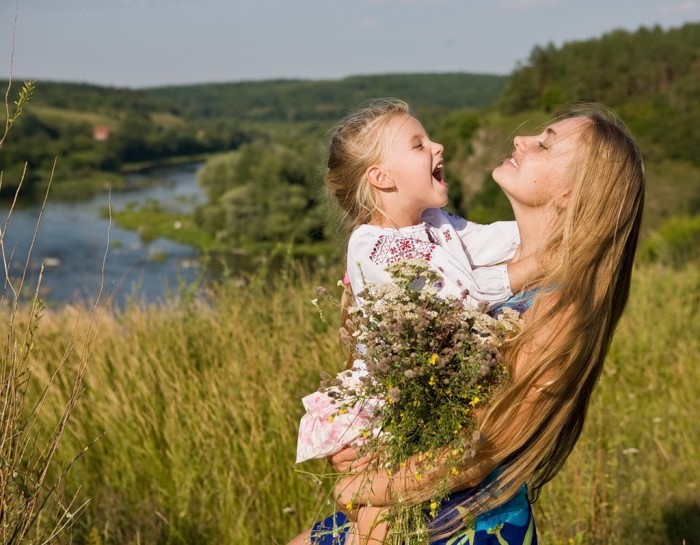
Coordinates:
(196, 407)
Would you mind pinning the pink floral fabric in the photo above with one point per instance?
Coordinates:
(328, 425)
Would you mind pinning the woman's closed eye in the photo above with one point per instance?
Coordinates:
(542, 145)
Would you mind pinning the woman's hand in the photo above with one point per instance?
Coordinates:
(348, 460)
(369, 487)
(346, 493)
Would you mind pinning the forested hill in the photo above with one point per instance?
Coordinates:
(324, 100)
(90, 98)
(274, 100)
(650, 76)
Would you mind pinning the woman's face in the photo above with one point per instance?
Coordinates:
(538, 171)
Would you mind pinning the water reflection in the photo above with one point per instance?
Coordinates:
(73, 237)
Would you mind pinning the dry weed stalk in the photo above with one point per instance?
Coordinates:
(33, 506)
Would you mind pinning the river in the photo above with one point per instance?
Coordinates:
(73, 237)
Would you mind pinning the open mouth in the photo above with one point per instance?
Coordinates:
(439, 173)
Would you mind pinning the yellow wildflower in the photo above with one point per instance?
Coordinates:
(432, 380)
(433, 508)
(474, 401)
(330, 419)
(348, 506)
(343, 410)
(418, 476)
(455, 471)
(433, 359)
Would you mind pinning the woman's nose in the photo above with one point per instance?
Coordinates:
(520, 143)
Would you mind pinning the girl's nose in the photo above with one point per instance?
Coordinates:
(438, 148)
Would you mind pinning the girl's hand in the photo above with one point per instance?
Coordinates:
(347, 461)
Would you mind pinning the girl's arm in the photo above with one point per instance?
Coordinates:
(487, 244)
(487, 248)
(370, 252)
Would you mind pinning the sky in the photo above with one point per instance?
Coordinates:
(147, 43)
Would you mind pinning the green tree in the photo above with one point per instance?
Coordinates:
(263, 193)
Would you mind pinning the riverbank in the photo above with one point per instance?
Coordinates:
(153, 246)
(152, 220)
(74, 237)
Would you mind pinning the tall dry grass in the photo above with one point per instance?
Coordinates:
(634, 476)
(193, 409)
(34, 504)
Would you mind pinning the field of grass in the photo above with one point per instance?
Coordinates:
(191, 408)
(73, 117)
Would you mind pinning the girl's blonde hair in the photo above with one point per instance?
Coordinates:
(357, 142)
(587, 265)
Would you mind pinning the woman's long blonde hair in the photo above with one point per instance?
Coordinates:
(587, 265)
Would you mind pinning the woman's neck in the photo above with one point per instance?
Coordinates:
(533, 228)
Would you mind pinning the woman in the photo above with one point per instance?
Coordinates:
(577, 190)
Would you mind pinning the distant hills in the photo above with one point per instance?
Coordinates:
(277, 100)
(304, 100)
(650, 76)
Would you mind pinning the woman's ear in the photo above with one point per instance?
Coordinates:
(379, 179)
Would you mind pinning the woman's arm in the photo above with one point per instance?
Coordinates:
(370, 485)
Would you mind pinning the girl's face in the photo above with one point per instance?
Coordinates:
(538, 171)
(415, 166)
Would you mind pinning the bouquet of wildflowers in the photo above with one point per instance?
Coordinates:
(431, 363)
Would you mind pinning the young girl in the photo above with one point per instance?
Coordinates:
(387, 176)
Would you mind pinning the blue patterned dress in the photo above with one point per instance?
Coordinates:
(509, 524)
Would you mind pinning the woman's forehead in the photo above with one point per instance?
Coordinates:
(571, 126)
